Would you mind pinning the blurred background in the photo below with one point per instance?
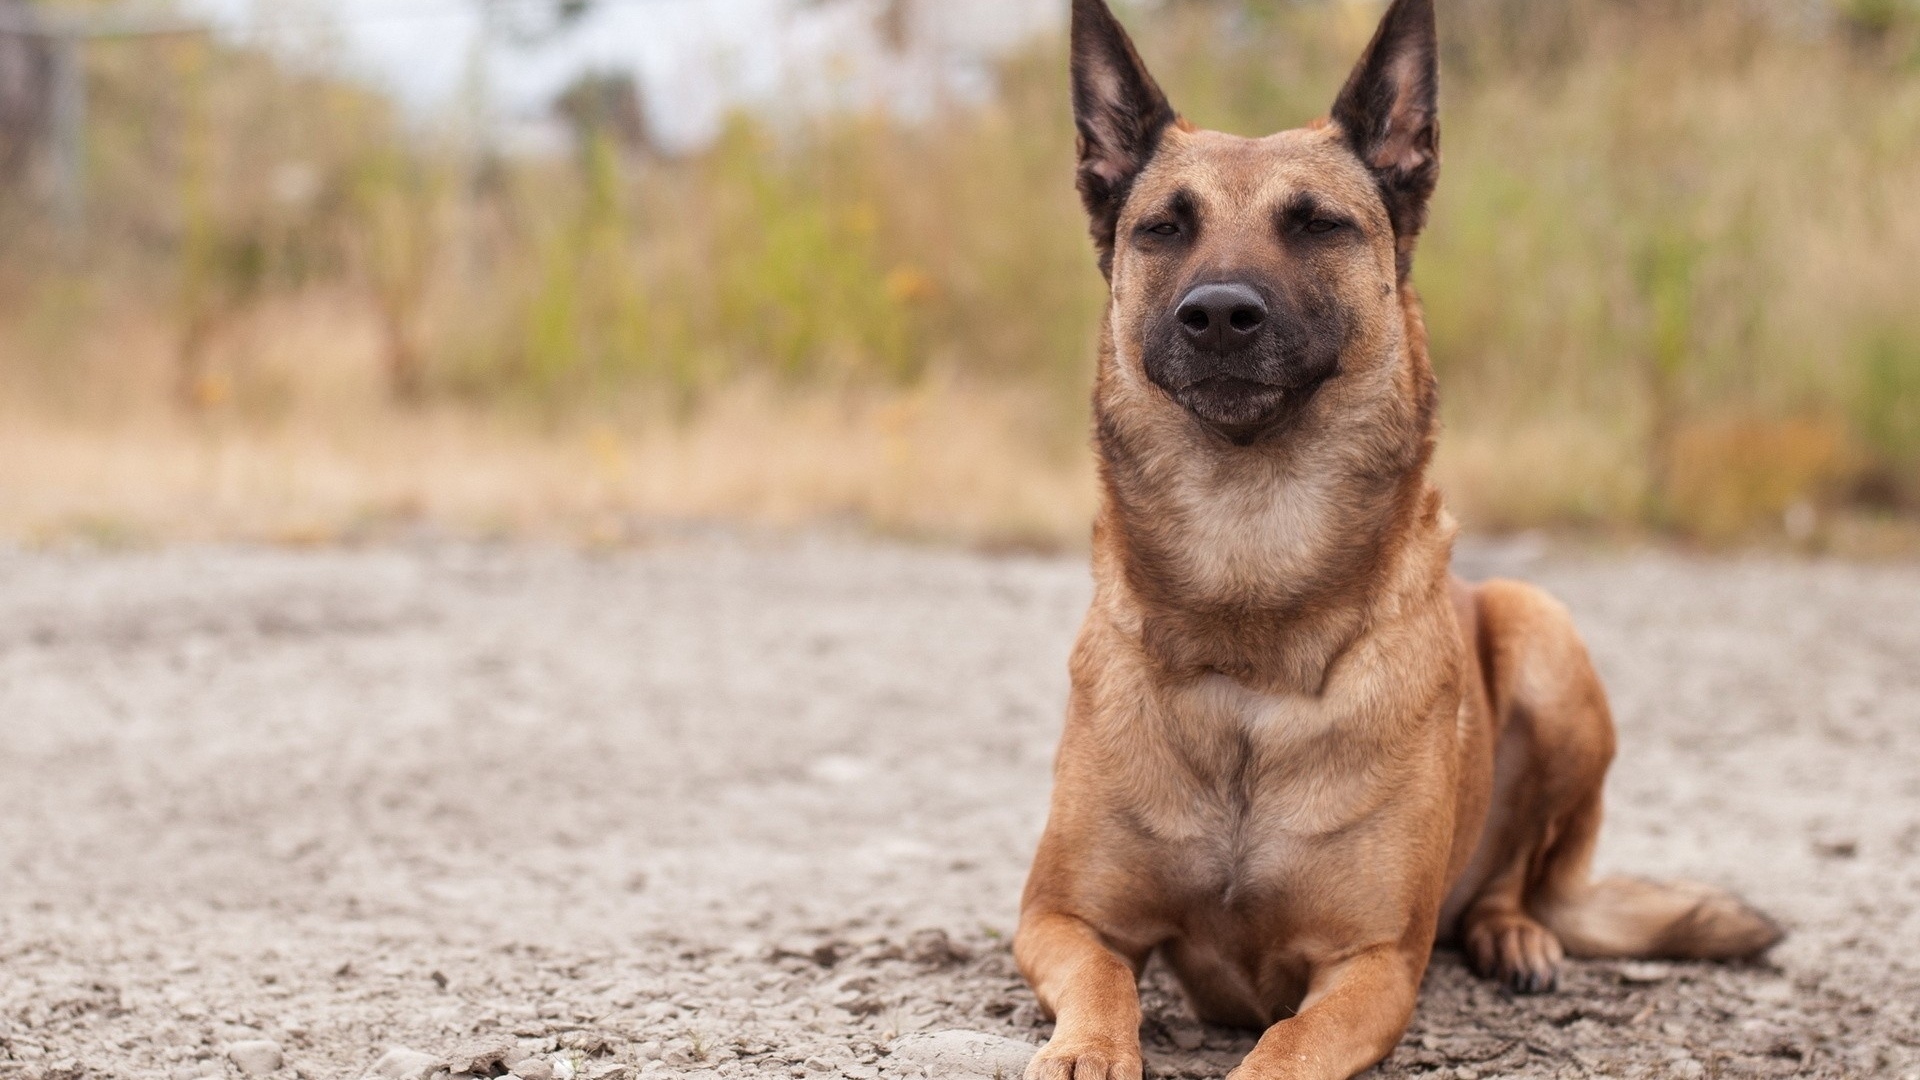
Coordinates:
(306, 271)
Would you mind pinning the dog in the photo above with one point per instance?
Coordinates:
(1298, 753)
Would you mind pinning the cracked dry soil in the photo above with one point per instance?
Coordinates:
(727, 807)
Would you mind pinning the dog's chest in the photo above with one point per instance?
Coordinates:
(1267, 782)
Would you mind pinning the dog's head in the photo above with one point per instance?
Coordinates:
(1248, 273)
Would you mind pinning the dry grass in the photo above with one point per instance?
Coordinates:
(296, 443)
(1571, 473)
(302, 448)
(1670, 280)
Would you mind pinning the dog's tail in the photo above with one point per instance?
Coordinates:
(1677, 920)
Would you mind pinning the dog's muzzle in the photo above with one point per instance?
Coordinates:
(1231, 359)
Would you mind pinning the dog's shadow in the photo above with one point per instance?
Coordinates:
(1175, 1043)
(1466, 1024)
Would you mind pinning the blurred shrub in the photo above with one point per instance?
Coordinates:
(1886, 413)
(1732, 476)
(1891, 27)
(1670, 231)
(397, 226)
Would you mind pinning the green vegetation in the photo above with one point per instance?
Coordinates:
(1673, 274)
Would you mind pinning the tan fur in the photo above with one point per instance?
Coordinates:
(1297, 752)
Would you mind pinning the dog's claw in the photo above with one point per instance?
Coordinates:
(1086, 1062)
(1518, 952)
(1533, 982)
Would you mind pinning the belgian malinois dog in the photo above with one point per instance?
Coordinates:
(1298, 752)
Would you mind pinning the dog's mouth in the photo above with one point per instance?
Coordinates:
(1241, 410)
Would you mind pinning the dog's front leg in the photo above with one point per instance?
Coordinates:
(1091, 991)
(1353, 1015)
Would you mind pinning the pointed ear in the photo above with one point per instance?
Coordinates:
(1120, 113)
(1389, 111)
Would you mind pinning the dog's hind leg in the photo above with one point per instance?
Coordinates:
(1537, 898)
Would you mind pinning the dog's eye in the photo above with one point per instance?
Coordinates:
(1322, 226)
(1165, 228)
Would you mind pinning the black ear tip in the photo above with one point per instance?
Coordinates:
(1092, 13)
(1414, 14)
(1408, 17)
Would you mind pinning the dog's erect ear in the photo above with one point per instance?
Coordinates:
(1120, 113)
(1389, 111)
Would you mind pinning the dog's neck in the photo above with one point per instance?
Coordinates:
(1266, 563)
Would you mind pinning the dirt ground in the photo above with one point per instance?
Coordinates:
(737, 807)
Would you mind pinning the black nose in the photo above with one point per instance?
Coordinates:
(1222, 318)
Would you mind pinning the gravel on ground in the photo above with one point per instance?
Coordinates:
(729, 807)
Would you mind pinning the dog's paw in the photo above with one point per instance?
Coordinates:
(1085, 1059)
(1516, 951)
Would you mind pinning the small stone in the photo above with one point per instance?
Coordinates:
(839, 770)
(590, 1043)
(533, 1069)
(1837, 847)
(478, 1056)
(1644, 973)
(256, 1057)
(403, 1063)
(860, 1004)
(1188, 1038)
(936, 948)
(964, 1054)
